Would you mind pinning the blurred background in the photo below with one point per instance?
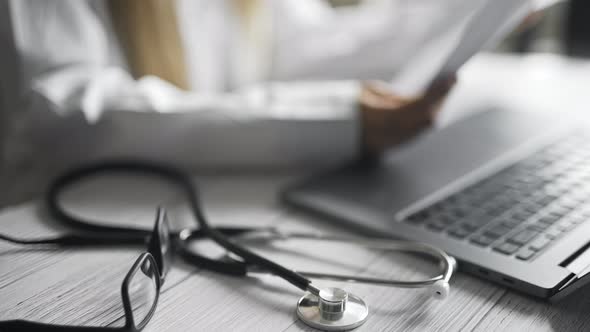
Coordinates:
(375, 51)
(563, 29)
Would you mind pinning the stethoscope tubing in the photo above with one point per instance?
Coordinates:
(168, 173)
(448, 263)
(248, 262)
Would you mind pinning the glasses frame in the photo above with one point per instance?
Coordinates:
(157, 258)
(130, 324)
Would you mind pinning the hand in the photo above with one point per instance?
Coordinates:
(388, 119)
(530, 20)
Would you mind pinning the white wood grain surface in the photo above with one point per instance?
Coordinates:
(82, 287)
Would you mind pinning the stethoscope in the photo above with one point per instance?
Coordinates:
(330, 309)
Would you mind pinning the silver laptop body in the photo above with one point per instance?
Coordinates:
(503, 192)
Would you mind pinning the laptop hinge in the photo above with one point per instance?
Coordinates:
(579, 265)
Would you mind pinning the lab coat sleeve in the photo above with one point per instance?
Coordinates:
(82, 105)
(274, 125)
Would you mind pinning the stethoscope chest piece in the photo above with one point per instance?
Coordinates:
(333, 310)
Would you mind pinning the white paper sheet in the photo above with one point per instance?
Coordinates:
(483, 27)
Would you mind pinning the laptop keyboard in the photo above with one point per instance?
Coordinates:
(522, 209)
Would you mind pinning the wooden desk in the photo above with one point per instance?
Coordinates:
(82, 287)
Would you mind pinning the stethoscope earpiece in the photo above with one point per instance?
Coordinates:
(440, 289)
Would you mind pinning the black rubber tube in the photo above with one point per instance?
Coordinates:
(170, 174)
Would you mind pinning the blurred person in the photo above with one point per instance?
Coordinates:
(203, 84)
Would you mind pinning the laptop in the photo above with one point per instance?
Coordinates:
(506, 193)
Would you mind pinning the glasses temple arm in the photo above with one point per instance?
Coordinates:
(29, 326)
(72, 240)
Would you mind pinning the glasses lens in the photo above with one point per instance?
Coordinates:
(143, 292)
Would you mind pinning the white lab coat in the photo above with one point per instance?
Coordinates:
(79, 103)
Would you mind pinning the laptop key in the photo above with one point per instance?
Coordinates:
(553, 232)
(436, 225)
(494, 211)
(565, 225)
(549, 219)
(483, 240)
(577, 219)
(524, 236)
(446, 219)
(544, 200)
(414, 219)
(521, 215)
(471, 227)
(541, 226)
(559, 211)
(459, 212)
(568, 204)
(540, 243)
(477, 222)
(525, 254)
(511, 223)
(497, 231)
(507, 248)
(459, 232)
(532, 207)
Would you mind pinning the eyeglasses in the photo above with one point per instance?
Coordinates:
(140, 289)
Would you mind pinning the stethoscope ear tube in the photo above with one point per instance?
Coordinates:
(226, 266)
(234, 268)
(171, 174)
(447, 264)
(74, 176)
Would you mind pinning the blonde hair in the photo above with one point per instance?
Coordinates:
(149, 36)
(148, 33)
